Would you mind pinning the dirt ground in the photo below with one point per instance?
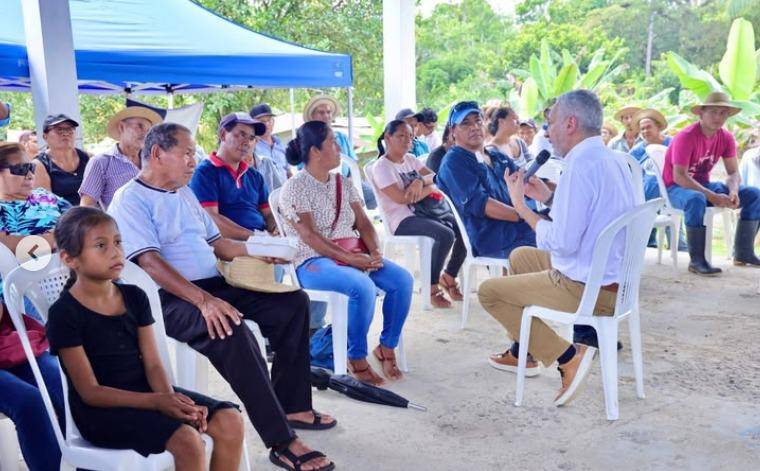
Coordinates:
(702, 384)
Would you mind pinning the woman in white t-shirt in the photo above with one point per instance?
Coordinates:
(414, 206)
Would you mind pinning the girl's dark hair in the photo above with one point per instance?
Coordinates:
(391, 129)
(310, 134)
(446, 132)
(494, 115)
(8, 149)
(72, 228)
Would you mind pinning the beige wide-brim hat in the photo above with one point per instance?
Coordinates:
(610, 128)
(318, 100)
(252, 274)
(717, 99)
(131, 112)
(652, 114)
(626, 110)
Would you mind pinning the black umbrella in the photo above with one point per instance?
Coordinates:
(353, 388)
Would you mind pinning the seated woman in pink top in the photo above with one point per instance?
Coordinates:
(414, 206)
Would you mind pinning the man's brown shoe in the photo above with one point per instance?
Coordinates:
(507, 362)
(574, 372)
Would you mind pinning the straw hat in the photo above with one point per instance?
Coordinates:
(252, 274)
(626, 110)
(131, 112)
(652, 114)
(315, 101)
(610, 128)
(717, 99)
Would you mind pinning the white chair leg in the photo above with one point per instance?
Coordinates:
(426, 254)
(675, 233)
(728, 233)
(192, 369)
(522, 358)
(634, 328)
(9, 448)
(338, 309)
(708, 237)
(402, 355)
(468, 272)
(258, 336)
(607, 333)
(245, 462)
(660, 243)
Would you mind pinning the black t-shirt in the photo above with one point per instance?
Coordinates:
(435, 158)
(110, 342)
(62, 183)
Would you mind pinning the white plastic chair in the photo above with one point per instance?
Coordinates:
(637, 224)
(43, 287)
(356, 174)
(471, 262)
(423, 245)
(9, 448)
(337, 305)
(657, 153)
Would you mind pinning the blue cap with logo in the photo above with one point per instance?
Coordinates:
(461, 110)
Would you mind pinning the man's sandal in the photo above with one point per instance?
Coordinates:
(276, 457)
(316, 424)
(378, 353)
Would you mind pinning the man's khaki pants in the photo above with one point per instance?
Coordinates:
(533, 282)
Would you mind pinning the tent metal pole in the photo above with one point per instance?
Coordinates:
(351, 116)
(292, 113)
(170, 100)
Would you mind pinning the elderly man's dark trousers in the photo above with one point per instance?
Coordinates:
(283, 319)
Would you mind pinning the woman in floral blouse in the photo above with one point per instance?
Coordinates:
(325, 212)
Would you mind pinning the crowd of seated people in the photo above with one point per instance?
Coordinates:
(147, 200)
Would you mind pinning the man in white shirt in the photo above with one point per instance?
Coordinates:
(595, 189)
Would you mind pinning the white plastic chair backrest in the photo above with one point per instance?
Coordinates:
(368, 172)
(656, 152)
(8, 260)
(637, 223)
(22, 282)
(356, 174)
(460, 224)
(274, 201)
(638, 178)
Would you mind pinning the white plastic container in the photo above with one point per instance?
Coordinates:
(265, 245)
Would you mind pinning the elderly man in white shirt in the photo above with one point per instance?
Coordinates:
(595, 188)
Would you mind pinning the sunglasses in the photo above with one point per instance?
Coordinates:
(20, 169)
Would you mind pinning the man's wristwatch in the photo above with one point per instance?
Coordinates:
(549, 201)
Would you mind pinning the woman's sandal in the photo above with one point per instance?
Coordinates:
(451, 288)
(438, 300)
(396, 373)
(276, 457)
(316, 424)
(366, 374)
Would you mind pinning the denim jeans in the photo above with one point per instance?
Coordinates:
(651, 187)
(21, 401)
(369, 197)
(693, 203)
(361, 288)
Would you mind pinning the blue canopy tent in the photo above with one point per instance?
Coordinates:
(170, 46)
(148, 46)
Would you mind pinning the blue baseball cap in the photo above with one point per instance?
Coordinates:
(461, 110)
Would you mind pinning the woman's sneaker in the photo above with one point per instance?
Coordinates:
(507, 362)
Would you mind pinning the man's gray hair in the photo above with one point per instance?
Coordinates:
(164, 136)
(585, 106)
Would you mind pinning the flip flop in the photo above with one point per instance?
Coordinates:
(317, 424)
(275, 456)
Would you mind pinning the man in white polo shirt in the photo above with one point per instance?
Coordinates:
(594, 190)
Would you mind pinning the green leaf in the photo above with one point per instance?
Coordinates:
(537, 74)
(566, 57)
(529, 98)
(692, 77)
(738, 69)
(566, 79)
(750, 109)
(547, 64)
(591, 78)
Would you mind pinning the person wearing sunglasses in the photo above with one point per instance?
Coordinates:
(24, 209)
(61, 168)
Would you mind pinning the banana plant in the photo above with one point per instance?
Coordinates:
(738, 72)
(545, 80)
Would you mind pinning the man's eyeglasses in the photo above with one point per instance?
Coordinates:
(20, 169)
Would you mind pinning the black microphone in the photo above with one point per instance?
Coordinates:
(541, 159)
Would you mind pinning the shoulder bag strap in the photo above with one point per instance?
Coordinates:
(338, 199)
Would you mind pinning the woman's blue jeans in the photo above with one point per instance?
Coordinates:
(21, 401)
(361, 288)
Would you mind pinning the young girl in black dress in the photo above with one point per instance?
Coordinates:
(119, 393)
